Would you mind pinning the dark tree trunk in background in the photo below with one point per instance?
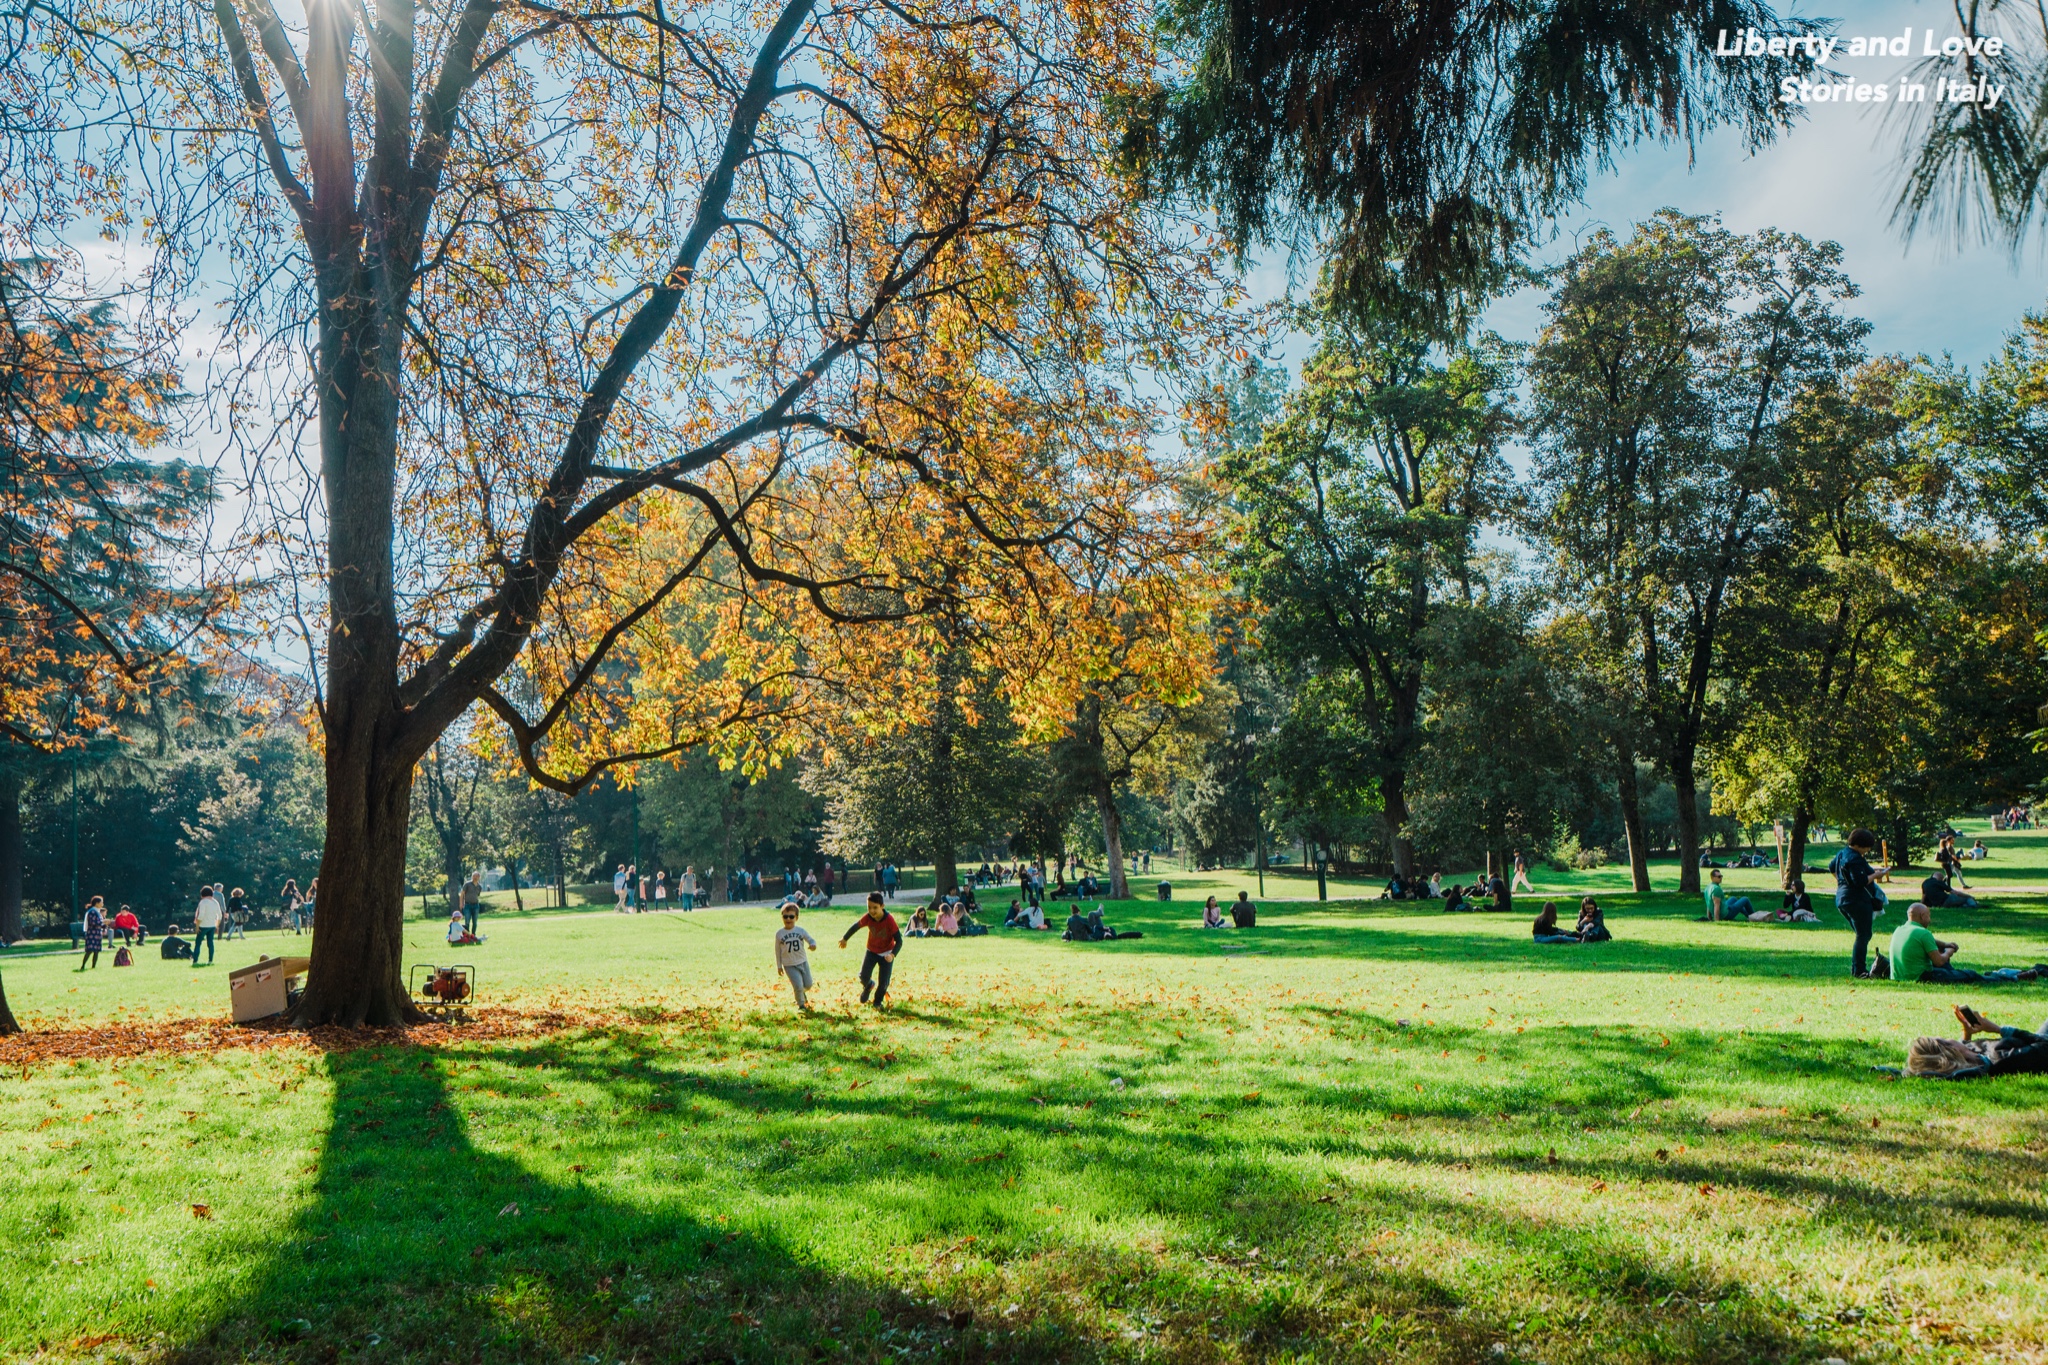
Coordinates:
(1322, 871)
(7, 1021)
(1112, 838)
(1632, 824)
(1687, 787)
(1394, 793)
(1795, 841)
(10, 856)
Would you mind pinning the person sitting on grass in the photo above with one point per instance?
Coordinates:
(1077, 926)
(173, 948)
(2012, 1052)
(920, 923)
(1798, 905)
(1397, 889)
(1244, 914)
(1917, 955)
(1454, 899)
(1935, 891)
(1722, 906)
(1978, 852)
(1546, 929)
(1016, 918)
(459, 934)
(1593, 923)
(1099, 931)
(1503, 895)
(949, 922)
(1212, 914)
(1436, 886)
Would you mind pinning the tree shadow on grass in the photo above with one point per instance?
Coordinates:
(449, 1219)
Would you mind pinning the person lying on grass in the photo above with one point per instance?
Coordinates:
(1593, 923)
(1935, 891)
(2010, 1051)
(1546, 928)
(1917, 955)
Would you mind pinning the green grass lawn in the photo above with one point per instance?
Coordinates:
(1359, 1132)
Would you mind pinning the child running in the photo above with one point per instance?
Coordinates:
(885, 940)
(792, 956)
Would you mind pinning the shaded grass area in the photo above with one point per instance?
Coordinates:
(1356, 1133)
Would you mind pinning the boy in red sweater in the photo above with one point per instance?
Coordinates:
(884, 940)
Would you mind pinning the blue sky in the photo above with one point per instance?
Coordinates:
(1833, 177)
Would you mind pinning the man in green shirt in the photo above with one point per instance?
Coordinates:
(1917, 955)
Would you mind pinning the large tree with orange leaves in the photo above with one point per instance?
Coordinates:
(668, 370)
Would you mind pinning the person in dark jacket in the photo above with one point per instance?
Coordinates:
(1856, 893)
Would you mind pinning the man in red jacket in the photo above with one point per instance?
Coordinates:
(884, 940)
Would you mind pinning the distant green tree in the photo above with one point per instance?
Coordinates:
(1663, 383)
(1356, 517)
(931, 790)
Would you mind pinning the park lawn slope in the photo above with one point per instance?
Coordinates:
(1358, 1132)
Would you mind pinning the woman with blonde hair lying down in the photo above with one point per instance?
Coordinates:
(2011, 1052)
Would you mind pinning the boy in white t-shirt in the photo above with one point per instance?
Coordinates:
(792, 956)
(205, 925)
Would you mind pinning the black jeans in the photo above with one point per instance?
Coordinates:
(1859, 917)
(868, 965)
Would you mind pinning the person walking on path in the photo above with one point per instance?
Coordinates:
(792, 956)
(1856, 893)
(472, 899)
(1521, 881)
(290, 899)
(95, 932)
(885, 940)
(205, 925)
(237, 921)
(689, 887)
(619, 889)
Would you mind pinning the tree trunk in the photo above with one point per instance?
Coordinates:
(518, 901)
(359, 928)
(1795, 842)
(1687, 787)
(1632, 824)
(945, 872)
(1394, 793)
(10, 857)
(1112, 837)
(7, 1020)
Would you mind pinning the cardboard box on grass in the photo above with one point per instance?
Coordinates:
(262, 988)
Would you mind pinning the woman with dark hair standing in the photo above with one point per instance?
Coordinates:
(95, 932)
(289, 900)
(1856, 892)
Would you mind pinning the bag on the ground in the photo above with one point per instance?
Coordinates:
(123, 958)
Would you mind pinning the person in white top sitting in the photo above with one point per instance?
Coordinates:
(206, 925)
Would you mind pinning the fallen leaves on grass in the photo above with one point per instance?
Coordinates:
(202, 1211)
(118, 1041)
